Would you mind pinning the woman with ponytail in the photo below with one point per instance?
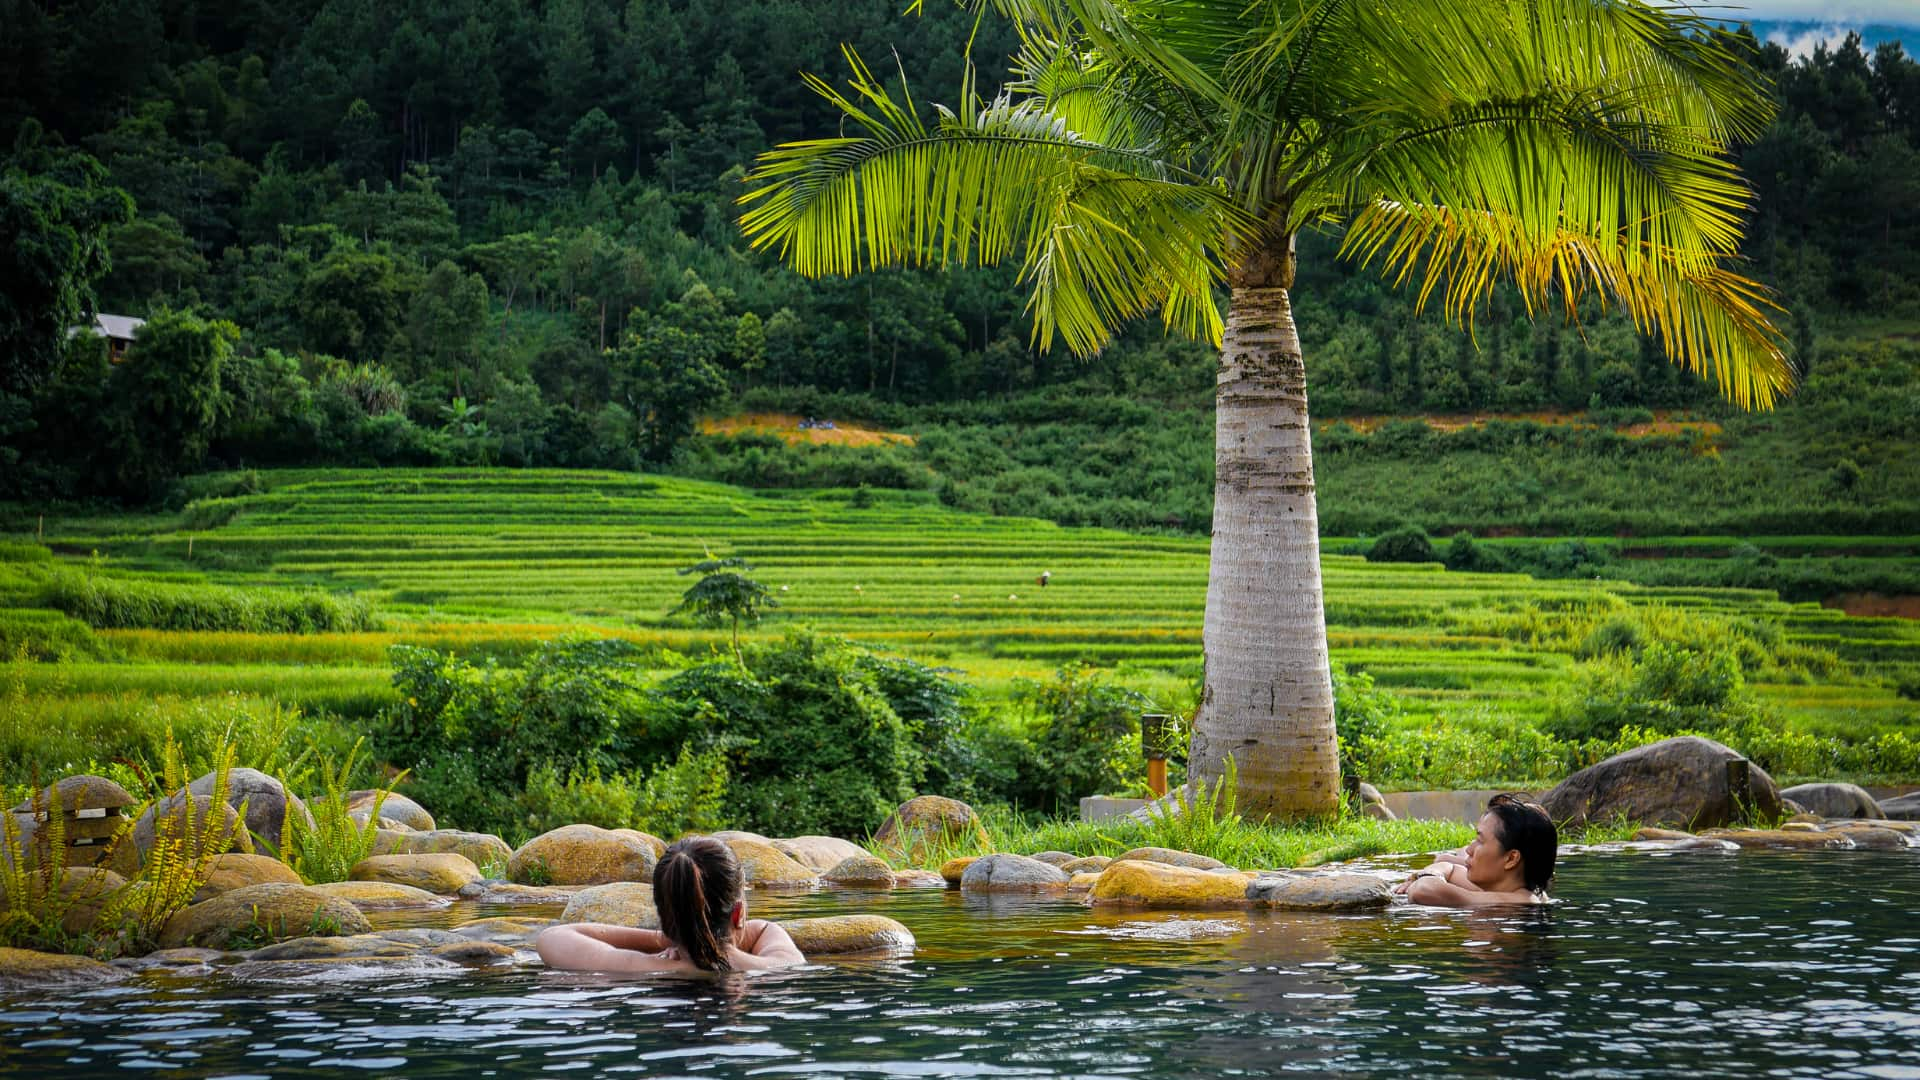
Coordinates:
(703, 924)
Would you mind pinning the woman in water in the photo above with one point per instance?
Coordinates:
(1510, 861)
(703, 924)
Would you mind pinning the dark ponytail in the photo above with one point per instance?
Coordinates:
(695, 886)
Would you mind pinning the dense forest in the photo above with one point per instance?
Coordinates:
(432, 231)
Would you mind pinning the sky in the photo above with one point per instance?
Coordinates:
(1854, 12)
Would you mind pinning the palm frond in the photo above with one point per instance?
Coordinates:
(1711, 319)
(1103, 230)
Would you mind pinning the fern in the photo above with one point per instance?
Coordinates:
(327, 849)
(184, 847)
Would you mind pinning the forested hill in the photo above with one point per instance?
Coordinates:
(363, 229)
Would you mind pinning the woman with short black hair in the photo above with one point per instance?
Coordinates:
(1510, 860)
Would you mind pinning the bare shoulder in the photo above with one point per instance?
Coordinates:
(768, 942)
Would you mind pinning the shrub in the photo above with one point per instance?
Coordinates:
(1406, 544)
(686, 794)
(38, 634)
(1664, 689)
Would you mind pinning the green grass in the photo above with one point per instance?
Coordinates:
(487, 563)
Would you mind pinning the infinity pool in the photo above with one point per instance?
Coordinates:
(1650, 965)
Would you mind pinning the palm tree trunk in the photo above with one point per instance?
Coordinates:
(1268, 700)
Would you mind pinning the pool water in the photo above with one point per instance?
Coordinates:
(1649, 965)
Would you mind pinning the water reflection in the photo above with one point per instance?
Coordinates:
(1787, 965)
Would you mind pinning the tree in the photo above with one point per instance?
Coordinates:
(723, 594)
(1147, 150)
(164, 401)
(56, 210)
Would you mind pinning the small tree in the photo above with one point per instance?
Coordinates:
(723, 594)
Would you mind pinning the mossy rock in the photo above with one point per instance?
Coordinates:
(1171, 857)
(622, 903)
(383, 895)
(1320, 892)
(860, 871)
(181, 809)
(395, 806)
(235, 870)
(1159, 885)
(24, 969)
(763, 867)
(481, 848)
(444, 873)
(953, 870)
(1092, 864)
(582, 855)
(819, 852)
(850, 935)
(261, 915)
(929, 821)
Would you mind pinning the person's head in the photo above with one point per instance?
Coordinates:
(696, 887)
(1514, 837)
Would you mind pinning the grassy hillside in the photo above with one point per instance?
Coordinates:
(488, 563)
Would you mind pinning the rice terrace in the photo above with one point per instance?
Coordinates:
(638, 538)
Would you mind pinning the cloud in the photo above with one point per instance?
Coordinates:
(1850, 12)
(1800, 44)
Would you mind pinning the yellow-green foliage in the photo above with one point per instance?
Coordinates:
(184, 847)
(327, 849)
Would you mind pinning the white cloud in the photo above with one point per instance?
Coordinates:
(1848, 12)
(1802, 44)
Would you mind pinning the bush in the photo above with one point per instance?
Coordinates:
(1665, 689)
(687, 794)
(1074, 736)
(37, 634)
(1406, 544)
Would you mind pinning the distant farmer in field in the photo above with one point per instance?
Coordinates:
(1510, 861)
(703, 924)
(1045, 576)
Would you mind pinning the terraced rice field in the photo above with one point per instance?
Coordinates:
(487, 562)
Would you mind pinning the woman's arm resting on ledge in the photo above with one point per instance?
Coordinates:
(601, 947)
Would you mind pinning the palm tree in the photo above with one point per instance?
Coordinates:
(1145, 152)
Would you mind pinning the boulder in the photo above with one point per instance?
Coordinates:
(918, 879)
(482, 848)
(268, 803)
(623, 903)
(76, 794)
(1683, 782)
(846, 935)
(1320, 892)
(444, 873)
(382, 895)
(1162, 885)
(1835, 800)
(186, 816)
(473, 953)
(261, 915)
(505, 892)
(1870, 838)
(236, 871)
(1902, 807)
(1372, 804)
(819, 852)
(860, 871)
(1171, 857)
(582, 855)
(24, 969)
(362, 816)
(1092, 864)
(929, 820)
(84, 891)
(1791, 839)
(504, 931)
(1055, 858)
(1082, 881)
(1011, 873)
(953, 869)
(395, 806)
(658, 845)
(354, 947)
(729, 835)
(762, 866)
(1650, 834)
